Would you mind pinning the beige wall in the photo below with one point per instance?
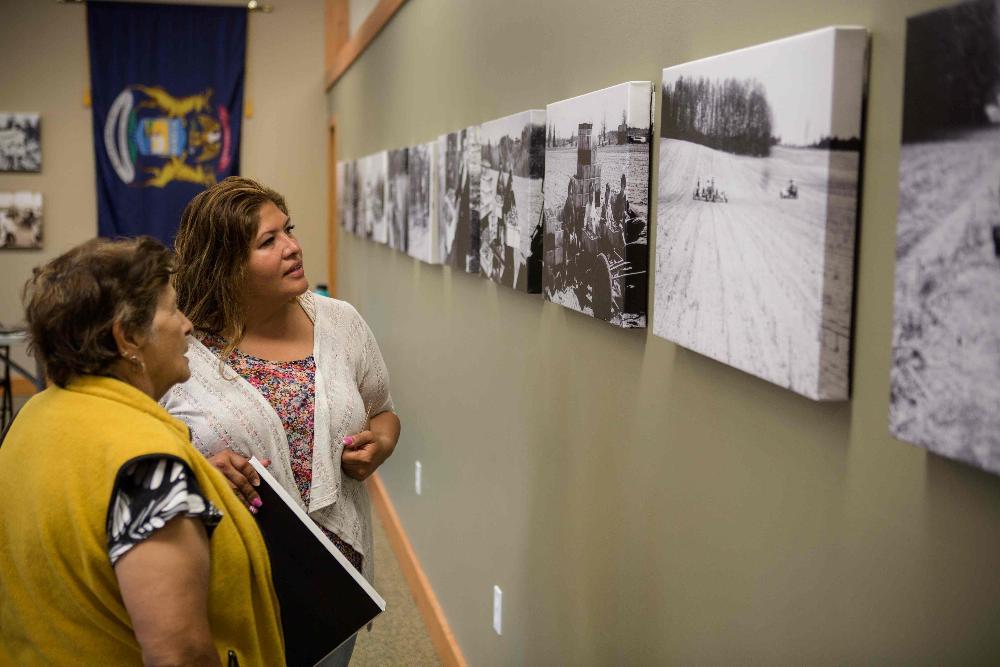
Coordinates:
(639, 503)
(43, 46)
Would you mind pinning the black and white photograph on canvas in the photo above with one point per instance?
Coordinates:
(375, 173)
(758, 177)
(350, 196)
(458, 204)
(596, 203)
(421, 220)
(396, 205)
(20, 142)
(945, 388)
(446, 217)
(341, 181)
(510, 200)
(20, 220)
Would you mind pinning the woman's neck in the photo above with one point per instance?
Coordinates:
(282, 333)
(273, 320)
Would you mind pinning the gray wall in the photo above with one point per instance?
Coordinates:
(43, 47)
(639, 503)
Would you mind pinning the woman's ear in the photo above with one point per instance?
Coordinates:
(128, 344)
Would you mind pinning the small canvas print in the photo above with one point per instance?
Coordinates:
(596, 203)
(945, 376)
(20, 142)
(341, 175)
(458, 204)
(20, 220)
(510, 213)
(349, 202)
(421, 219)
(445, 219)
(759, 158)
(375, 172)
(396, 205)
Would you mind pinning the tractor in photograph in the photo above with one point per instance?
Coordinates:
(790, 192)
(709, 192)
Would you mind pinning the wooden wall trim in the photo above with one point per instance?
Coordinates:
(357, 43)
(437, 625)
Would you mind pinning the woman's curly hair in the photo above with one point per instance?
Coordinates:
(72, 302)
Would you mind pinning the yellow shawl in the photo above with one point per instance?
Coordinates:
(59, 598)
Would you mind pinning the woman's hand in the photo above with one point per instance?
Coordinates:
(240, 474)
(364, 452)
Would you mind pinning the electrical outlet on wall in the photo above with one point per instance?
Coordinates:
(416, 478)
(497, 609)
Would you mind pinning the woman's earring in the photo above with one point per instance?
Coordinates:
(134, 358)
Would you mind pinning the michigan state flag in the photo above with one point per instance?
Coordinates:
(167, 91)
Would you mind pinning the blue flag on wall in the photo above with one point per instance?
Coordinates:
(167, 93)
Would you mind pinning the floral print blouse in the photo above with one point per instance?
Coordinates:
(290, 388)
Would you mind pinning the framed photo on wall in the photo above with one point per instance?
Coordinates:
(510, 201)
(20, 220)
(759, 159)
(596, 240)
(945, 374)
(20, 142)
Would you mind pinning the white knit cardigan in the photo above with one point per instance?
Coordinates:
(224, 410)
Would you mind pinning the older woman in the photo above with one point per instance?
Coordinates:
(121, 544)
(277, 371)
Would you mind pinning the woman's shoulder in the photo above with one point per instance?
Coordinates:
(335, 310)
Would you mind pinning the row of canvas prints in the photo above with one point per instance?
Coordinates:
(759, 158)
(757, 193)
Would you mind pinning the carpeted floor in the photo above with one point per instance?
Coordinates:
(399, 636)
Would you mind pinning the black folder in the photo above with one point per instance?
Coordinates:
(324, 599)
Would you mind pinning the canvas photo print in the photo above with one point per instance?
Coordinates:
(458, 204)
(350, 203)
(758, 178)
(375, 172)
(510, 200)
(945, 377)
(396, 205)
(596, 235)
(20, 142)
(421, 219)
(20, 220)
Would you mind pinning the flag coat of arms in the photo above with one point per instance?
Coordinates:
(167, 92)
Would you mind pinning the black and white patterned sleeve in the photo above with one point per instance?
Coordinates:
(148, 493)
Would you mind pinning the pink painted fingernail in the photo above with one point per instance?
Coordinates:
(256, 502)
(253, 510)
(348, 440)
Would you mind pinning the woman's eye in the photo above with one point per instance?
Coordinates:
(289, 229)
(267, 242)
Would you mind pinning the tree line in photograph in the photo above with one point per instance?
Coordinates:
(952, 71)
(732, 115)
(510, 153)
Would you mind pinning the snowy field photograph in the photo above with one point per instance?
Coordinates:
(421, 220)
(396, 206)
(375, 172)
(756, 218)
(20, 142)
(945, 389)
(510, 209)
(596, 203)
(20, 220)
